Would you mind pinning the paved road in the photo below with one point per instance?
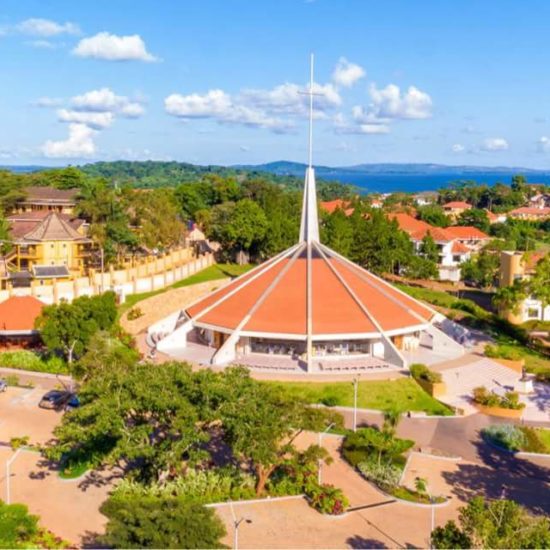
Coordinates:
(483, 468)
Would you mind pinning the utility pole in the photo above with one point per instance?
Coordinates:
(355, 387)
(236, 523)
(8, 475)
(321, 434)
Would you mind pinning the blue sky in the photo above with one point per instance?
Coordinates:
(217, 81)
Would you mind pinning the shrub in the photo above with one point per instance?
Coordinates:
(510, 400)
(28, 360)
(505, 435)
(502, 352)
(160, 522)
(385, 475)
(204, 486)
(330, 400)
(543, 377)
(327, 499)
(135, 313)
(17, 442)
(532, 443)
(422, 372)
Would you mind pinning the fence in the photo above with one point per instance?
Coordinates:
(147, 276)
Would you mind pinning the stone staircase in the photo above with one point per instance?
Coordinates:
(462, 380)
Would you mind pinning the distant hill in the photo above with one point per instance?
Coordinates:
(287, 168)
(24, 169)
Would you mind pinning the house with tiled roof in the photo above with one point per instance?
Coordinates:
(49, 199)
(453, 209)
(337, 204)
(530, 213)
(17, 317)
(455, 244)
(518, 266)
(469, 236)
(47, 245)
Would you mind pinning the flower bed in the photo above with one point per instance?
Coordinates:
(518, 438)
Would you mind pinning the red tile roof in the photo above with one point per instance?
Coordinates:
(457, 204)
(25, 222)
(418, 229)
(467, 232)
(331, 206)
(530, 211)
(459, 248)
(18, 313)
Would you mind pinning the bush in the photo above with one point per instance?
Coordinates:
(484, 397)
(502, 352)
(330, 401)
(204, 486)
(422, 372)
(135, 313)
(29, 360)
(327, 499)
(543, 376)
(160, 522)
(18, 442)
(508, 436)
(532, 444)
(385, 475)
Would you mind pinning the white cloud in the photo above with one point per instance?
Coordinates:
(47, 102)
(543, 144)
(342, 126)
(114, 48)
(79, 143)
(42, 44)
(45, 27)
(458, 148)
(346, 74)
(105, 100)
(390, 103)
(495, 144)
(291, 99)
(94, 120)
(220, 106)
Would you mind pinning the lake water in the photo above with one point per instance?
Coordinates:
(413, 183)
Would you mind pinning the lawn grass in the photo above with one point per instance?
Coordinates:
(210, 273)
(403, 394)
(534, 362)
(544, 437)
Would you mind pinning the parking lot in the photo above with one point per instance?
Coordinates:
(20, 416)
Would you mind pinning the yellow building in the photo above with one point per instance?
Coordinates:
(47, 245)
(517, 266)
(47, 199)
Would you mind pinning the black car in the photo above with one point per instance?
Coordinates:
(55, 399)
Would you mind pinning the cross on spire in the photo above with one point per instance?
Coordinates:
(309, 227)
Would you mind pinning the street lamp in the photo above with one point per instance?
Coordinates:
(321, 434)
(236, 523)
(355, 386)
(8, 475)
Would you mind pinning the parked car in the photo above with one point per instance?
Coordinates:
(72, 403)
(3, 385)
(55, 399)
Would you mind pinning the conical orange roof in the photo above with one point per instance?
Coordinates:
(342, 299)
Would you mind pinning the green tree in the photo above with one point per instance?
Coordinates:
(509, 298)
(67, 328)
(145, 418)
(238, 226)
(261, 422)
(475, 217)
(434, 215)
(503, 524)
(337, 232)
(450, 536)
(17, 527)
(428, 248)
(539, 284)
(160, 522)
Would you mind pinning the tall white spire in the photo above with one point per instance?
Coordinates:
(309, 227)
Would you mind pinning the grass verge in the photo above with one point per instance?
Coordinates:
(402, 394)
(210, 273)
